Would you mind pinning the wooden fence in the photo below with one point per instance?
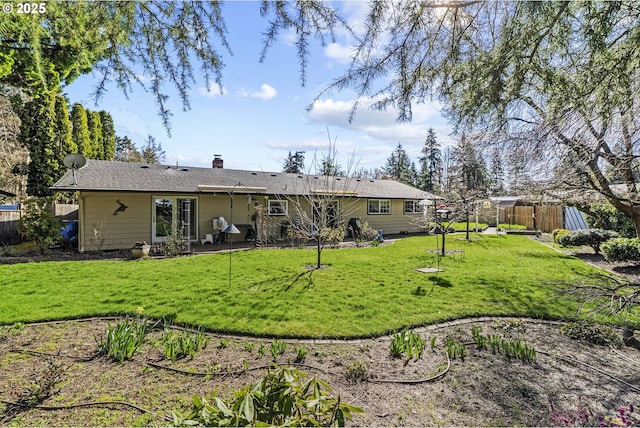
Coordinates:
(9, 221)
(9, 227)
(545, 218)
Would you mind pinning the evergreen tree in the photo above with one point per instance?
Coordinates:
(95, 134)
(108, 135)
(294, 163)
(126, 150)
(430, 176)
(330, 167)
(399, 167)
(80, 130)
(152, 151)
(470, 168)
(38, 134)
(496, 173)
(63, 129)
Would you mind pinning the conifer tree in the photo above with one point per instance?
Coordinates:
(430, 175)
(80, 130)
(108, 135)
(95, 134)
(399, 167)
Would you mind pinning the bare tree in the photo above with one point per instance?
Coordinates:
(317, 203)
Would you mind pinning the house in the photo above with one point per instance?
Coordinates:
(121, 203)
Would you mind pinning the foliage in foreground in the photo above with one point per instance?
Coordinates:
(283, 397)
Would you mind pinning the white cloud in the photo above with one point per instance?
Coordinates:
(339, 52)
(382, 126)
(130, 123)
(266, 92)
(212, 91)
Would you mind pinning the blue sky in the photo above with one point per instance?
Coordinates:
(261, 114)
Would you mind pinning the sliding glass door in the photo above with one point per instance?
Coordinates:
(171, 214)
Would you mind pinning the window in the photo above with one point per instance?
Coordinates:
(277, 207)
(379, 206)
(412, 207)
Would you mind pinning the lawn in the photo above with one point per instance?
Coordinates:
(362, 292)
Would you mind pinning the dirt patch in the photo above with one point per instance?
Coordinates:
(484, 389)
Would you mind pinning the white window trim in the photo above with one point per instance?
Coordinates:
(279, 203)
(417, 209)
(379, 201)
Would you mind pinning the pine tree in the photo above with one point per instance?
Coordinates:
(430, 176)
(80, 130)
(399, 167)
(470, 168)
(126, 150)
(152, 152)
(294, 163)
(108, 135)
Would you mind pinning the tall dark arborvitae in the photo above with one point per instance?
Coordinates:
(38, 134)
(108, 136)
(399, 166)
(80, 131)
(95, 134)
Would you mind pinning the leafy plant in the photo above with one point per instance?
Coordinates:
(262, 350)
(301, 354)
(278, 347)
(179, 345)
(39, 224)
(123, 339)
(455, 349)
(603, 215)
(407, 342)
(356, 371)
(224, 343)
(284, 396)
(592, 332)
(248, 346)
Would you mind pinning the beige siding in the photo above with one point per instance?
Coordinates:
(392, 223)
(100, 229)
(97, 221)
(214, 206)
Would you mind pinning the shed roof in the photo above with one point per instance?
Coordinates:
(116, 176)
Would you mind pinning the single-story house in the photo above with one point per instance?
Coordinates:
(121, 203)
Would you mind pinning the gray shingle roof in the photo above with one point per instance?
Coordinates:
(100, 175)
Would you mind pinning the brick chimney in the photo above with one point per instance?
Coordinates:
(217, 162)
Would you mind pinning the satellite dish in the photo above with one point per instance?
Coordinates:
(74, 161)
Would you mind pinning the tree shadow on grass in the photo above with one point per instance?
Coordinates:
(440, 282)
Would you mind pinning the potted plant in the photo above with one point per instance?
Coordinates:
(140, 249)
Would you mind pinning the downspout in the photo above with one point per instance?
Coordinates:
(81, 245)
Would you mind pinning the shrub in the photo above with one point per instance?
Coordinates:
(284, 397)
(39, 224)
(558, 233)
(603, 215)
(592, 332)
(356, 371)
(622, 250)
(591, 237)
(333, 235)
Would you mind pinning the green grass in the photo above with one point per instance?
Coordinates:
(462, 226)
(363, 292)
